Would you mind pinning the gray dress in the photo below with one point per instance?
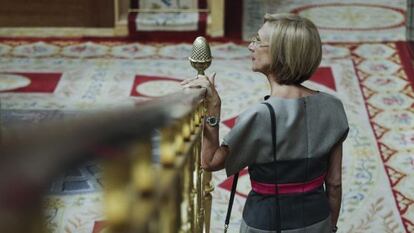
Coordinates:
(306, 131)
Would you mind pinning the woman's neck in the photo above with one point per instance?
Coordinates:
(277, 89)
(287, 91)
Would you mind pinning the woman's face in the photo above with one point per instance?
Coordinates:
(259, 46)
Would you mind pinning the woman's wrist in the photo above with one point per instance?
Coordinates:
(213, 100)
(334, 229)
(213, 106)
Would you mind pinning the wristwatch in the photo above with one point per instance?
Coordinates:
(213, 121)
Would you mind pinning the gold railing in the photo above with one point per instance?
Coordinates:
(173, 195)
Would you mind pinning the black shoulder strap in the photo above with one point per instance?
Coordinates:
(233, 192)
(273, 129)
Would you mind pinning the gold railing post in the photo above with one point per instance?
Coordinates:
(172, 146)
(192, 192)
(130, 190)
(206, 177)
(142, 172)
(117, 202)
(201, 207)
(208, 189)
(144, 187)
(167, 148)
(198, 187)
(188, 192)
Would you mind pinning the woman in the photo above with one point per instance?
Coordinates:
(292, 142)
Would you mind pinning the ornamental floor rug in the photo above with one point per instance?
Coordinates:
(53, 79)
(337, 21)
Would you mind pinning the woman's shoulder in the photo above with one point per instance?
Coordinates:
(335, 108)
(322, 98)
(253, 111)
(330, 97)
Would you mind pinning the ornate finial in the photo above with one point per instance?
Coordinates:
(200, 57)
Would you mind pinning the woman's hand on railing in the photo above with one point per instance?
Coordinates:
(201, 81)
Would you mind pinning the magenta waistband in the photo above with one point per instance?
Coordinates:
(269, 189)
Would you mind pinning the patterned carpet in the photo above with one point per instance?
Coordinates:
(338, 21)
(55, 79)
(371, 79)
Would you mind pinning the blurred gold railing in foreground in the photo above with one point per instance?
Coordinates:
(140, 196)
(172, 197)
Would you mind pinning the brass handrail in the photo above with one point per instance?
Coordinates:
(139, 196)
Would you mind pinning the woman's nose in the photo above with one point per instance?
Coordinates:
(251, 47)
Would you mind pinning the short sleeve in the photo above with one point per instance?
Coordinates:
(343, 123)
(245, 140)
(337, 122)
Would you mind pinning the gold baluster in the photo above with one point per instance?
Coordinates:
(172, 147)
(186, 127)
(200, 188)
(208, 189)
(207, 185)
(192, 191)
(167, 147)
(117, 199)
(142, 172)
(193, 120)
(142, 187)
(187, 205)
(169, 202)
(170, 215)
(179, 139)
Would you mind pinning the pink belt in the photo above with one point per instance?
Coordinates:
(268, 189)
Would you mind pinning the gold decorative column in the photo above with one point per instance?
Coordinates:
(208, 189)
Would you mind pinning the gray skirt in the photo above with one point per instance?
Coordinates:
(324, 226)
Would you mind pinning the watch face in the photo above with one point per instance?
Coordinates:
(212, 121)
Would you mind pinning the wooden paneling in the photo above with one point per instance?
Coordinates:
(57, 13)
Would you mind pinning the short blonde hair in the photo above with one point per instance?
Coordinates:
(295, 47)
